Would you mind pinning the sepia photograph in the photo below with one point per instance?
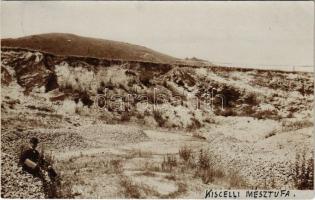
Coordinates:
(157, 100)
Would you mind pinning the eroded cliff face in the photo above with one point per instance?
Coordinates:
(186, 96)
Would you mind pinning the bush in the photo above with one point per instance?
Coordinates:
(206, 169)
(185, 153)
(303, 176)
(130, 189)
(230, 94)
(145, 78)
(248, 110)
(203, 160)
(251, 100)
(85, 98)
(159, 118)
(195, 124)
(116, 165)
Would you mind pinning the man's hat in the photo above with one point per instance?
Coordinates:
(34, 140)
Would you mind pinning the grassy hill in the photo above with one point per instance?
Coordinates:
(70, 44)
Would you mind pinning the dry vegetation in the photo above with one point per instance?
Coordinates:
(303, 175)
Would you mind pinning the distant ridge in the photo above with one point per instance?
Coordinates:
(73, 45)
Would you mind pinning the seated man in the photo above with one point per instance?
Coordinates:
(32, 162)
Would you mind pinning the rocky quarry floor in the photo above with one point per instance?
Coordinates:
(100, 159)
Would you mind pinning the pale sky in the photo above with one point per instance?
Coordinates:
(267, 33)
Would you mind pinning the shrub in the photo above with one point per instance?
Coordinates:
(251, 100)
(151, 167)
(295, 125)
(230, 94)
(203, 160)
(58, 187)
(145, 78)
(159, 118)
(206, 169)
(85, 98)
(169, 162)
(125, 116)
(303, 176)
(61, 189)
(195, 124)
(266, 114)
(248, 110)
(130, 189)
(116, 165)
(185, 153)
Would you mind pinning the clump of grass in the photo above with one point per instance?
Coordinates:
(57, 187)
(266, 114)
(147, 173)
(151, 167)
(272, 133)
(303, 176)
(138, 153)
(296, 125)
(61, 189)
(185, 153)
(169, 162)
(130, 189)
(171, 177)
(198, 135)
(125, 117)
(116, 165)
(205, 168)
(235, 180)
(203, 160)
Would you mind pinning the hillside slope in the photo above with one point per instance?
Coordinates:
(70, 44)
